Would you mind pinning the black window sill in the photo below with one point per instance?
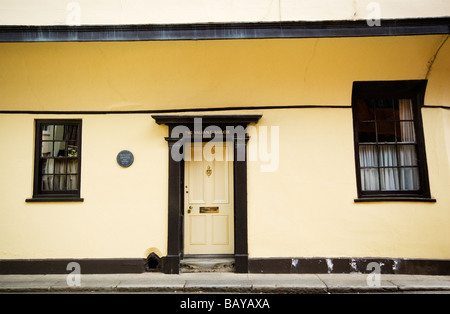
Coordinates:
(395, 199)
(54, 199)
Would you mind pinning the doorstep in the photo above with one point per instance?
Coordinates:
(206, 264)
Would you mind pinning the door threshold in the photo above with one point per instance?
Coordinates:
(208, 256)
(206, 264)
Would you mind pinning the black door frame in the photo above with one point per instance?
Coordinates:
(171, 262)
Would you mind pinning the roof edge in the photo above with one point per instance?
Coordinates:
(222, 31)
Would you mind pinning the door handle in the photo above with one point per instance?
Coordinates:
(189, 210)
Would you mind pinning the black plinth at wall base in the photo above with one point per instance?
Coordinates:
(171, 264)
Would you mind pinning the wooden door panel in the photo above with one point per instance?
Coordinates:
(198, 230)
(220, 230)
(209, 212)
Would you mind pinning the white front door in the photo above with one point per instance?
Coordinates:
(208, 208)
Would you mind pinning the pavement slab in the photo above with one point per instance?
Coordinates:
(349, 283)
(225, 282)
(151, 282)
(288, 283)
(422, 283)
(217, 282)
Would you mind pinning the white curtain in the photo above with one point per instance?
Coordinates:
(409, 176)
(47, 180)
(389, 180)
(59, 178)
(407, 133)
(389, 167)
(59, 181)
(369, 176)
(72, 180)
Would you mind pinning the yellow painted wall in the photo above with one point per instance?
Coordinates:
(303, 209)
(306, 208)
(438, 93)
(124, 210)
(184, 74)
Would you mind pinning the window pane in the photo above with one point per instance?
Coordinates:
(367, 132)
(370, 179)
(405, 132)
(368, 156)
(396, 110)
(72, 149)
(407, 155)
(60, 166)
(72, 166)
(386, 132)
(72, 133)
(47, 183)
(405, 109)
(47, 132)
(59, 149)
(389, 179)
(72, 182)
(60, 183)
(387, 155)
(409, 178)
(365, 110)
(48, 166)
(47, 148)
(384, 110)
(59, 132)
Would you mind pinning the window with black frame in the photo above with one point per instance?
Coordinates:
(389, 142)
(57, 160)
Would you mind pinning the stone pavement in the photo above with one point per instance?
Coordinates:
(224, 283)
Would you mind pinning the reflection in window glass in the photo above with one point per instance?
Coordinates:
(59, 132)
(59, 149)
(72, 149)
(47, 149)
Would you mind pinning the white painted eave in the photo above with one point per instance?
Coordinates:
(131, 12)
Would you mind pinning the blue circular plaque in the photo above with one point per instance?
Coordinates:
(125, 158)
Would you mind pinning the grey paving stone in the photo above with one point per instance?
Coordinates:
(152, 283)
(86, 285)
(16, 278)
(287, 283)
(348, 283)
(225, 282)
(422, 283)
(218, 286)
(28, 283)
(217, 282)
(23, 286)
